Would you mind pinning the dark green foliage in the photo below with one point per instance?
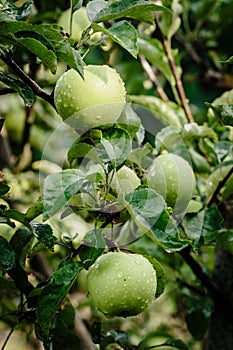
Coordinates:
(58, 204)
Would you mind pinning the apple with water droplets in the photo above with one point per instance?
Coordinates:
(172, 177)
(96, 100)
(121, 284)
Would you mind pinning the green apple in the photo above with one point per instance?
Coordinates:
(121, 284)
(125, 180)
(80, 22)
(96, 100)
(172, 177)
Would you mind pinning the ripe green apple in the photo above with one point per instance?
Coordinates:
(172, 177)
(125, 180)
(80, 22)
(121, 284)
(96, 100)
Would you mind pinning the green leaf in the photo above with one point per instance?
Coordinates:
(49, 34)
(38, 45)
(59, 188)
(199, 162)
(202, 224)
(224, 99)
(224, 239)
(170, 21)
(224, 113)
(80, 150)
(176, 343)
(129, 120)
(165, 232)
(63, 49)
(76, 4)
(94, 7)
(192, 131)
(114, 337)
(34, 211)
(44, 234)
(160, 275)
(70, 56)
(114, 147)
(223, 149)
(3, 189)
(7, 256)
(123, 33)
(19, 243)
(145, 204)
(23, 34)
(229, 60)
(153, 51)
(216, 177)
(197, 318)
(62, 337)
(53, 294)
(141, 156)
(168, 113)
(24, 90)
(20, 278)
(147, 210)
(12, 12)
(137, 9)
(169, 138)
(30, 37)
(14, 214)
(93, 245)
(155, 337)
(7, 221)
(20, 239)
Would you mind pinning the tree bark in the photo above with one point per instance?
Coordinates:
(221, 324)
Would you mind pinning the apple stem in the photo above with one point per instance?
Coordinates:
(172, 64)
(152, 76)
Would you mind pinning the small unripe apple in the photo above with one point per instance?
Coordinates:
(172, 177)
(96, 100)
(121, 284)
(125, 180)
(80, 22)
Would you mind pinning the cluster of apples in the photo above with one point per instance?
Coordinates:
(120, 283)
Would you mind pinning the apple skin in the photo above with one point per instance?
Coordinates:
(125, 180)
(121, 284)
(80, 22)
(97, 99)
(172, 177)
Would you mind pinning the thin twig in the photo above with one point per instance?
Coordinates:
(201, 275)
(219, 187)
(147, 68)
(83, 333)
(204, 66)
(217, 295)
(33, 85)
(172, 64)
(5, 91)
(7, 339)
